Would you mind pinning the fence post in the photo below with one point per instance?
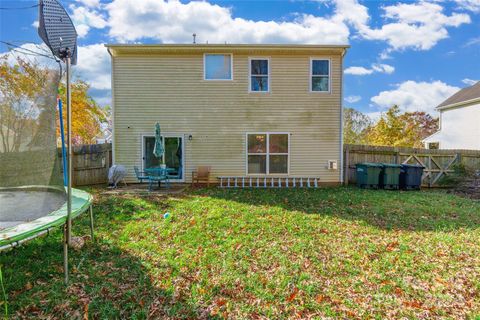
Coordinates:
(347, 165)
(430, 170)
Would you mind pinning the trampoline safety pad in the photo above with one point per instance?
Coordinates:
(33, 216)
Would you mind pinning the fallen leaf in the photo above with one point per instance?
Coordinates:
(392, 246)
(28, 286)
(85, 312)
(292, 295)
(413, 304)
(220, 302)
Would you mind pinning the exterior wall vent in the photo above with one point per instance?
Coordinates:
(332, 165)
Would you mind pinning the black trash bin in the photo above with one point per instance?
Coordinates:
(411, 177)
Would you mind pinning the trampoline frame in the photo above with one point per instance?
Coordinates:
(14, 236)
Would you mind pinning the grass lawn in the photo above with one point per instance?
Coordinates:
(338, 252)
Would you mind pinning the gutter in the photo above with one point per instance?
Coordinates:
(458, 104)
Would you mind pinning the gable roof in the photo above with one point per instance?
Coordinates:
(465, 95)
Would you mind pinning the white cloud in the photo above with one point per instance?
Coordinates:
(472, 42)
(416, 26)
(383, 68)
(35, 24)
(174, 22)
(376, 67)
(470, 82)
(374, 115)
(358, 71)
(35, 53)
(408, 25)
(85, 18)
(90, 3)
(415, 96)
(472, 5)
(93, 66)
(352, 99)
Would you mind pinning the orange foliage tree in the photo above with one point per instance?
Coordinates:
(401, 129)
(27, 103)
(87, 115)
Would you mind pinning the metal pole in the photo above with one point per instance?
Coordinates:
(70, 152)
(91, 222)
(68, 223)
(65, 254)
(62, 135)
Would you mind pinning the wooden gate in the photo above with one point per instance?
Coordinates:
(434, 166)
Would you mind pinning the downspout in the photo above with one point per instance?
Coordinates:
(112, 106)
(341, 119)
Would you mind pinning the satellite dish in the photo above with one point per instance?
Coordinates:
(57, 30)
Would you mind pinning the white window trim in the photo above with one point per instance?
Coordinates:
(250, 74)
(329, 75)
(205, 65)
(267, 154)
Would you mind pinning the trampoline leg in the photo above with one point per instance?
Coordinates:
(91, 223)
(65, 254)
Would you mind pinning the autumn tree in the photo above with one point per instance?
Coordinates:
(355, 126)
(402, 129)
(28, 106)
(27, 92)
(87, 115)
(418, 126)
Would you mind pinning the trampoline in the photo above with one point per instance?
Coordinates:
(29, 212)
(34, 195)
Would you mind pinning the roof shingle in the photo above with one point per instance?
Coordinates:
(463, 95)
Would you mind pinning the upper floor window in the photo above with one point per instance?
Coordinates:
(320, 75)
(218, 67)
(259, 75)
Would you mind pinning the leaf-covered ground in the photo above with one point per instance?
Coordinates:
(339, 252)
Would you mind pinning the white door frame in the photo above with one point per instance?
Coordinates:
(165, 135)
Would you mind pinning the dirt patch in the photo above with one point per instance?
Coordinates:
(469, 186)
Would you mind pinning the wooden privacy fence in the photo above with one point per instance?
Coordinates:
(91, 163)
(437, 163)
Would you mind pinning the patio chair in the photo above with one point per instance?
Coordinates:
(141, 175)
(201, 175)
(177, 175)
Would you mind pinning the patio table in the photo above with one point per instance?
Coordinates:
(158, 174)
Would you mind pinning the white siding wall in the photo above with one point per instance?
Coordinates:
(459, 128)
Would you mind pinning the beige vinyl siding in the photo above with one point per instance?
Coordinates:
(170, 89)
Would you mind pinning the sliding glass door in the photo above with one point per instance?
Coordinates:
(172, 157)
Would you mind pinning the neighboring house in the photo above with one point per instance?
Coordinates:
(105, 136)
(459, 121)
(244, 110)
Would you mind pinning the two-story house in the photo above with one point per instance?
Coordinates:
(245, 110)
(459, 121)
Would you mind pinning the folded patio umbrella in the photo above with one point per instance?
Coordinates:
(158, 148)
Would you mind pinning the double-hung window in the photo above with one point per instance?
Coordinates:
(320, 75)
(267, 153)
(217, 66)
(259, 75)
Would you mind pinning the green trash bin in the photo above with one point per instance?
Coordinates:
(390, 176)
(368, 175)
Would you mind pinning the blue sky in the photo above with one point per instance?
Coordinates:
(412, 53)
